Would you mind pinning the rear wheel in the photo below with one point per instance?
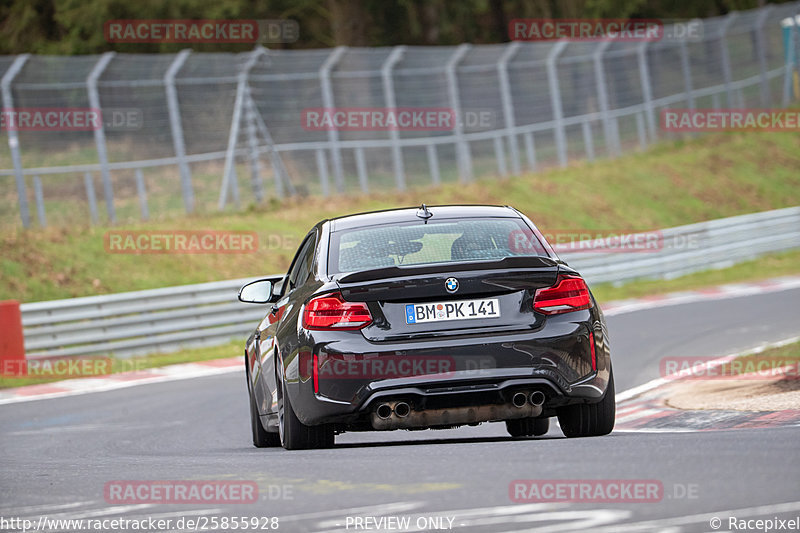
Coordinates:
(527, 427)
(590, 420)
(294, 435)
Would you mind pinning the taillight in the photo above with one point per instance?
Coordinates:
(591, 347)
(332, 312)
(570, 293)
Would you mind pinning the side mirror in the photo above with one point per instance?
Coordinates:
(256, 292)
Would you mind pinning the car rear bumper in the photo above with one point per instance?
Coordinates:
(354, 375)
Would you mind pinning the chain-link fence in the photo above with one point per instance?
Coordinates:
(199, 132)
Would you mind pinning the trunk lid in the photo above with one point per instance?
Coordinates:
(393, 292)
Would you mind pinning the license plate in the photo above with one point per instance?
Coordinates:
(461, 310)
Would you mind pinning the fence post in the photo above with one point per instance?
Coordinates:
(686, 69)
(500, 155)
(229, 180)
(508, 105)
(361, 169)
(555, 100)
(588, 140)
(39, 196)
(177, 128)
(88, 182)
(252, 145)
(463, 157)
(278, 168)
(433, 163)
(142, 192)
(228, 172)
(791, 61)
(13, 139)
(391, 103)
(322, 168)
(726, 58)
(612, 143)
(530, 150)
(100, 134)
(647, 89)
(327, 102)
(766, 96)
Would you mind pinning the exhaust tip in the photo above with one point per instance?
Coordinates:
(384, 411)
(537, 398)
(519, 399)
(402, 409)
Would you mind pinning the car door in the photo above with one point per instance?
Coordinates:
(274, 334)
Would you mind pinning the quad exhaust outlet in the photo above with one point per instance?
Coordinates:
(400, 415)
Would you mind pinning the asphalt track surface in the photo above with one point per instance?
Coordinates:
(58, 454)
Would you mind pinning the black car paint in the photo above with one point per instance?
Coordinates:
(550, 353)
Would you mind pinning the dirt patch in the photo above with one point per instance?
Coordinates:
(758, 395)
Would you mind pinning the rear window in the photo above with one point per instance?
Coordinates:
(416, 243)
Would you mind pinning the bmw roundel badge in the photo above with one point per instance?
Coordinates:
(451, 284)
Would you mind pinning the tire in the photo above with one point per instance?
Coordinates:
(294, 435)
(261, 437)
(590, 420)
(527, 427)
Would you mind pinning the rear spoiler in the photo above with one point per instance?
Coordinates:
(507, 263)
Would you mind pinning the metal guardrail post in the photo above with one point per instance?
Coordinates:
(612, 142)
(389, 98)
(555, 100)
(177, 128)
(13, 138)
(328, 102)
(508, 105)
(726, 57)
(463, 157)
(647, 89)
(100, 134)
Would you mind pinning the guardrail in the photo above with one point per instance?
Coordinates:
(165, 319)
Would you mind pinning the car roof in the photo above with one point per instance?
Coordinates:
(408, 214)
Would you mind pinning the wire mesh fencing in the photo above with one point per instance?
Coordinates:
(198, 132)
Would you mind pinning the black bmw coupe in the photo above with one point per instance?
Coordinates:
(430, 317)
